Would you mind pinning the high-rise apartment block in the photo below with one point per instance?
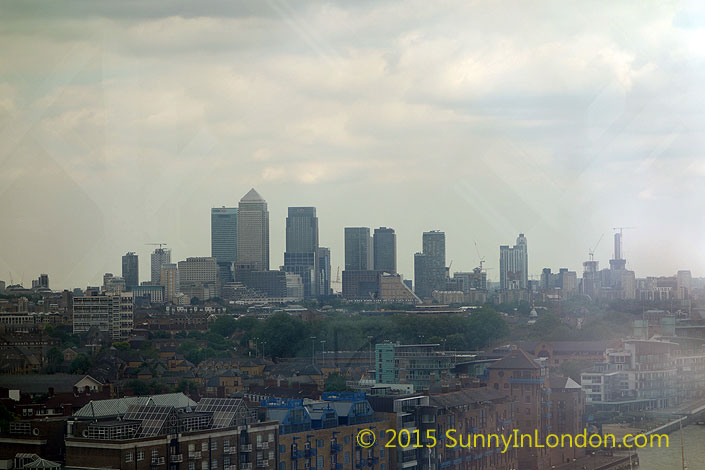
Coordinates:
(159, 256)
(253, 231)
(430, 265)
(169, 278)
(109, 313)
(130, 270)
(514, 265)
(385, 250)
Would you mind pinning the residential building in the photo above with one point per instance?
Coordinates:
(169, 279)
(430, 271)
(109, 313)
(130, 270)
(514, 265)
(521, 377)
(640, 375)
(418, 364)
(159, 257)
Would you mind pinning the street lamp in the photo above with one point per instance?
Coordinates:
(323, 350)
(313, 350)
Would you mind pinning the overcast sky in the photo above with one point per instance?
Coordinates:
(122, 124)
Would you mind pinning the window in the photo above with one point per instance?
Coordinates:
(319, 461)
(192, 466)
(506, 385)
(214, 464)
(270, 437)
(319, 443)
(128, 457)
(155, 453)
(214, 445)
(381, 453)
(204, 446)
(140, 455)
(226, 443)
(282, 465)
(192, 447)
(528, 411)
(382, 466)
(346, 457)
(270, 456)
(282, 449)
(226, 461)
(347, 439)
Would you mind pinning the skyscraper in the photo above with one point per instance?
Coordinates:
(301, 256)
(385, 250)
(159, 257)
(169, 278)
(253, 231)
(324, 271)
(358, 249)
(430, 265)
(130, 270)
(224, 239)
(514, 265)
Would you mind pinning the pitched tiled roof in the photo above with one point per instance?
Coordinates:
(466, 397)
(517, 359)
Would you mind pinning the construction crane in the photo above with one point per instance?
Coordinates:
(481, 258)
(592, 252)
(160, 244)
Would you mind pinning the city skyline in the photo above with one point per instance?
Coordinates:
(482, 121)
(604, 246)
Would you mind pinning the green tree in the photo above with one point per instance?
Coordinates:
(285, 335)
(81, 364)
(224, 326)
(122, 346)
(54, 358)
(335, 383)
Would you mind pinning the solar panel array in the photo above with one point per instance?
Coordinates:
(225, 410)
(154, 419)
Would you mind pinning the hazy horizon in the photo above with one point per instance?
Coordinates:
(123, 124)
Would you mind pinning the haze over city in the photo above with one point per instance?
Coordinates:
(481, 120)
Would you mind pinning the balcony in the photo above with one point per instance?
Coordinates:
(230, 450)
(308, 453)
(158, 461)
(194, 455)
(336, 466)
(262, 463)
(263, 445)
(296, 454)
(245, 465)
(176, 458)
(245, 447)
(335, 448)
